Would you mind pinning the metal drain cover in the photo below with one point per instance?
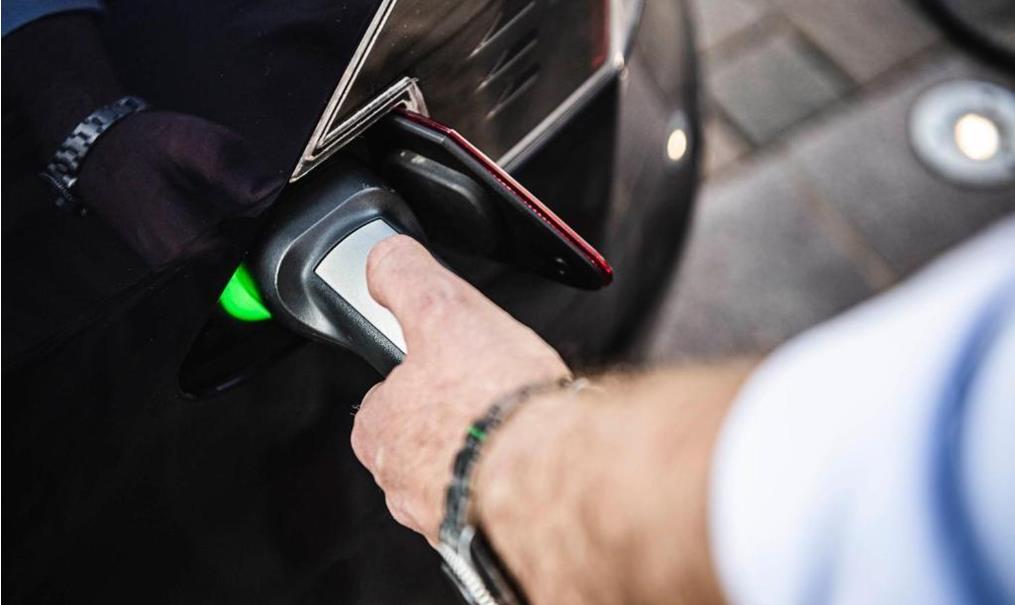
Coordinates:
(964, 130)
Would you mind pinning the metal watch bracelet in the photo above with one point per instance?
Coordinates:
(468, 558)
(63, 170)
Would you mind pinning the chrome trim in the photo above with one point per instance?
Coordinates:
(620, 35)
(322, 133)
(327, 138)
(324, 143)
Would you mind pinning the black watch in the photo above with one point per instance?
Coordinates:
(63, 170)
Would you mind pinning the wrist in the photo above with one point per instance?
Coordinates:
(518, 492)
(532, 430)
(469, 560)
(64, 169)
(604, 499)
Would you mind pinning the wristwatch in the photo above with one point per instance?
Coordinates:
(475, 569)
(63, 170)
(468, 557)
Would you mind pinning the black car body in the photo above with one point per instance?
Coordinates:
(159, 449)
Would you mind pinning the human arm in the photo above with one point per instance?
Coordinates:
(555, 488)
(868, 460)
(602, 498)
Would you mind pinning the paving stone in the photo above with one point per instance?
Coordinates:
(758, 269)
(861, 164)
(864, 37)
(791, 235)
(718, 20)
(773, 85)
(723, 146)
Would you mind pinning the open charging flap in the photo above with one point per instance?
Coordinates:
(465, 201)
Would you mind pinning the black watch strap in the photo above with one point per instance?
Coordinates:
(63, 170)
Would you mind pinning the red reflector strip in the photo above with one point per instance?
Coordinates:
(531, 201)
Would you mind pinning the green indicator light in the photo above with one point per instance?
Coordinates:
(477, 433)
(241, 298)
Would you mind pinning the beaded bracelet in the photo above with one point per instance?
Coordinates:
(459, 494)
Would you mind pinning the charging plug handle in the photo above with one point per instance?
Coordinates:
(311, 266)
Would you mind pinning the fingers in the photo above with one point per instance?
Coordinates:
(401, 273)
(413, 494)
(361, 439)
(404, 277)
(368, 445)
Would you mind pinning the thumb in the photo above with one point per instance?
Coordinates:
(403, 276)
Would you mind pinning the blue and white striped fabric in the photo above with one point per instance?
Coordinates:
(872, 459)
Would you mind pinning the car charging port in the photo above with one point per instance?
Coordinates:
(407, 174)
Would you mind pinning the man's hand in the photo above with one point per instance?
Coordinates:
(165, 182)
(597, 497)
(463, 353)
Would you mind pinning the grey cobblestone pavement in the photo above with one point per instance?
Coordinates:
(813, 200)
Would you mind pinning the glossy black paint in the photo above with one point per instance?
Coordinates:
(493, 69)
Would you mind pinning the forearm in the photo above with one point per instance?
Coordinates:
(56, 72)
(602, 498)
(591, 497)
